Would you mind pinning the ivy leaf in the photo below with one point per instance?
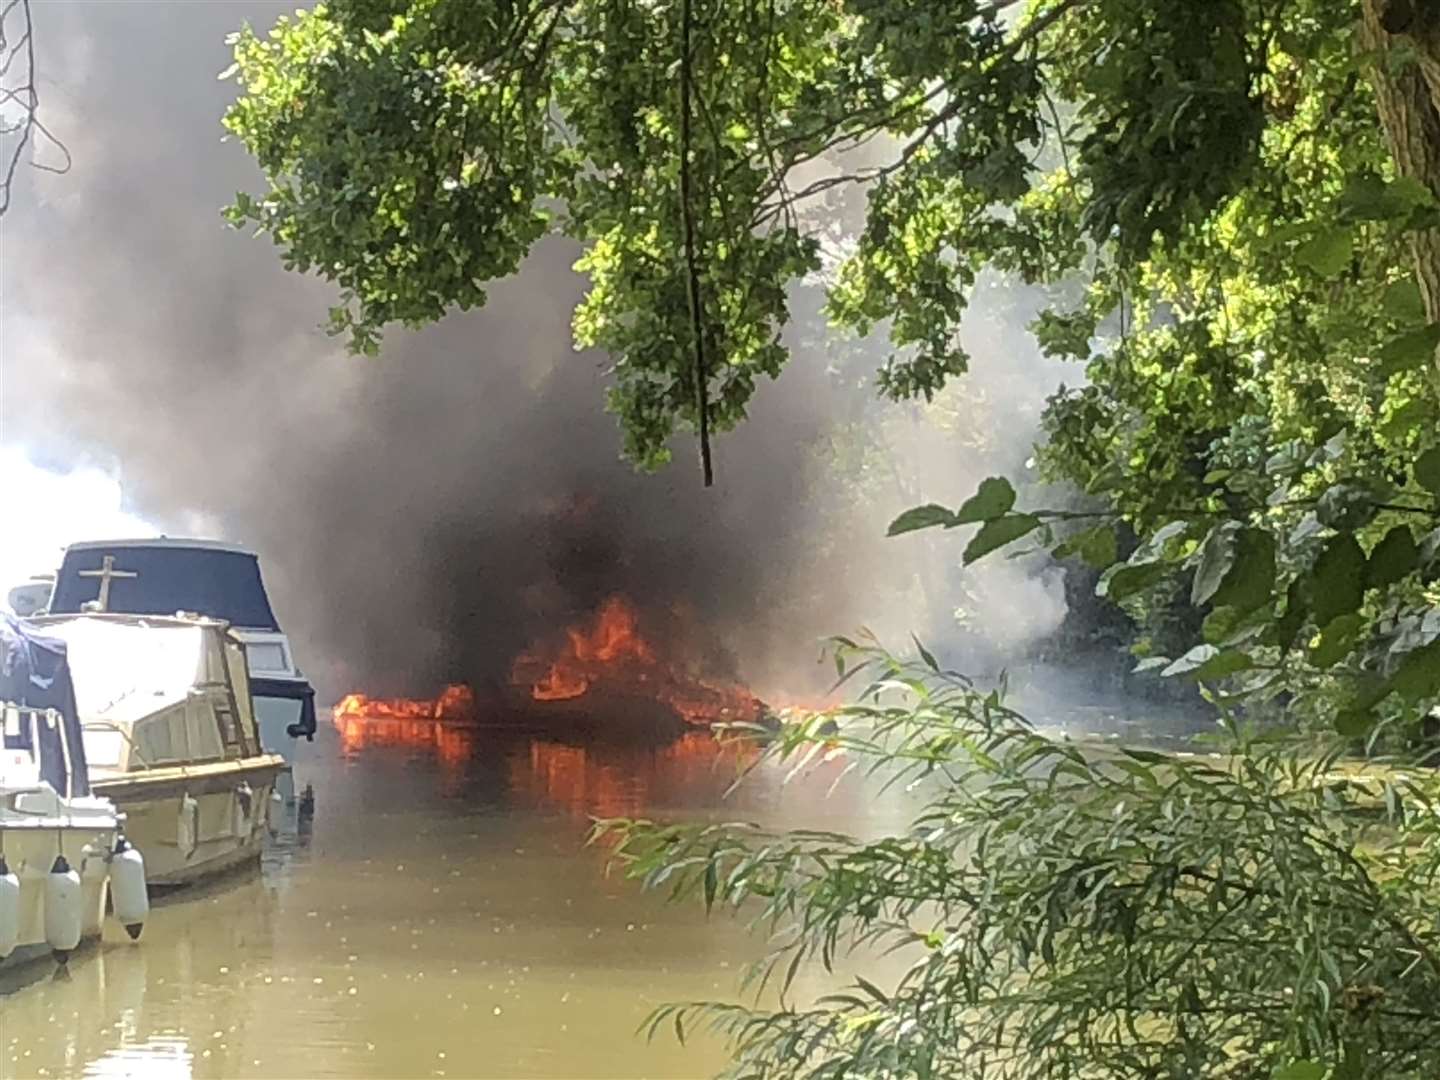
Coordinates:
(1336, 583)
(1427, 470)
(992, 500)
(1327, 252)
(1412, 349)
(1251, 578)
(1299, 1070)
(921, 517)
(1336, 640)
(1393, 558)
(997, 533)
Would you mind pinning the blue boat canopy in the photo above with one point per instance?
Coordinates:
(163, 578)
(35, 674)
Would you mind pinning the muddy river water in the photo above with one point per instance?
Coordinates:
(437, 915)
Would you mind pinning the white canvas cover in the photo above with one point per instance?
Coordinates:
(125, 671)
(136, 684)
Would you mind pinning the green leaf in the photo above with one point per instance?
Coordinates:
(925, 654)
(921, 517)
(1402, 301)
(992, 500)
(1288, 624)
(1251, 577)
(997, 533)
(1354, 723)
(1427, 470)
(1106, 478)
(1128, 578)
(712, 883)
(1345, 506)
(1335, 640)
(1393, 558)
(1336, 583)
(1217, 556)
(1418, 675)
(1299, 1070)
(1230, 626)
(1412, 349)
(1096, 546)
(1327, 252)
(1208, 662)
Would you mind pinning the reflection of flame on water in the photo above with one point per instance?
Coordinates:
(451, 744)
(626, 781)
(608, 652)
(583, 781)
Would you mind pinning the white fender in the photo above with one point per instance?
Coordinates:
(9, 910)
(127, 887)
(187, 827)
(243, 810)
(62, 909)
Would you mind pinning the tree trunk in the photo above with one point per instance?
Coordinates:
(1409, 105)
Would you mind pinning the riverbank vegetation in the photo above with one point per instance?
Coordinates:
(1232, 210)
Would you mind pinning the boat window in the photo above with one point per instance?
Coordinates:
(229, 730)
(153, 738)
(104, 747)
(267, 656)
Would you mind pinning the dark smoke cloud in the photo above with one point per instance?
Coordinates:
(424, 515)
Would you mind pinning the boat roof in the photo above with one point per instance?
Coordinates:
(162, 576)
(126, 668)
(161, 542)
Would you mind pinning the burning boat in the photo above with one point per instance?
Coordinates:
(171, 736)
(166, 576)
(598, 679)
(62, 850)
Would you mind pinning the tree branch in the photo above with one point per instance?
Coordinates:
(692, 268)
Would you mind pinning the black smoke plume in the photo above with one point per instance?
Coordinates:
(422, 516)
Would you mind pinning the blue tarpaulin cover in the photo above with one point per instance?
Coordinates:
(168, 578)
(35, 672)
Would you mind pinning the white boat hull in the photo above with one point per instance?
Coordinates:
(30, 853)
(192, 822)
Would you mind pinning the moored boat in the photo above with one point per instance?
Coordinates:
(170, 732)
(166, 576)
(62, 845)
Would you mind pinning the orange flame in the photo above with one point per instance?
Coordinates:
(605, 652)
(456, 702)
(610, 650)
